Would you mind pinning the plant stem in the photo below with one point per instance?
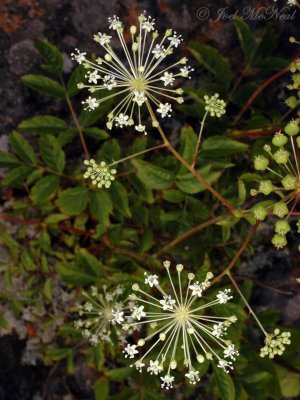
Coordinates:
(189, 233)
(76, 121)
(199, 139)
(238, 254)
(246, 302)
(160, 146)
(189, 167)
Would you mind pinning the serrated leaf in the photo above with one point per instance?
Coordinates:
(51, 153)
(212, 60)
(222, 146)
(43, 85)
(43, 124)
(119, 374)
(100, 206)
(119, 198)
(101, 389)
(17, 176)
(246, 38)
(96, 133)
(89, 263)
(77, 76)
(75, 275)
(51, 55)
(224, 383)
(153, 176)
(110, 151)
(8, 160)
(44, 189)
(188, 142)
(73, 201)
(22, 147)
(188, 183)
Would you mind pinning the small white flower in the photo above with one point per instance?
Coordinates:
(141, 128)
(148, 24)
(185, 72)
(154, 368)
(91, 103)
(122, 120)
(223, 296)
(130, 351)
(225, 365)
(151, 280)
(167, 381)
(115, 23)
(118, 316)
(93, 77)
(139, 98)
(197, 289)
(167, 303)
(109, 81)
(175, 40)
(79, 57)
(139, 365)
(138, 313)
(167, 79)
(231, 352)
(193, 377)
(164, 109)
(102, 38)
(159, 51)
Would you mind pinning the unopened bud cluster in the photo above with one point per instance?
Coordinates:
(101, 174)
(275, 344)
(214, 105)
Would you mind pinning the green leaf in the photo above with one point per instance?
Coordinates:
(51, 153)
(58, 354)
(47, 289)
(44, 189)
(246, 38)
(17, 176)
(43, 124)
(22, 148)
(89, 263)
(43, 85)
(222, 146)
(152, 176)
(96, 133)
(212, 60)
(73, 201)
(77, 76)
(8, 160)
(174, 196)
(119, 374)
(75, 275)
(188, 183)
(100, 206)
(110, 151)
(224, 383)
(101, 389)
(146, 241)
(242, 192)
(51, 55)
(188, 142)
(54, 219)
(119, 198)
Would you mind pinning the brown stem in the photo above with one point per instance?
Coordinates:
(189, 167)
(238, 254)
(189, 233)
(76, 121)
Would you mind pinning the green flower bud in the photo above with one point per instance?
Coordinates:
(279, 139)
(298, 141)
(296, 79)
(280, 209)
(281, 156)
(282, 227)
(266, 187)
(279, 241)
(289, 182)
(292, 128)
(260, 212)
(291, 102)
(261, 163)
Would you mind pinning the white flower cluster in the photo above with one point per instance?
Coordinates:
(179, 328)
(102, 311)
(214, 105)
(290, 2)
(275, 344)
(138, 76)
(101, 174)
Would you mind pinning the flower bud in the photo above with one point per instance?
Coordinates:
(280, 209)
(266, 187)
(289, 182)
(133, 29)
(281, 156)
(279, 139)
(279, 241)
(261, 163)
(260, 212)
(292, 128)
(291, 102)
(282, 227)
